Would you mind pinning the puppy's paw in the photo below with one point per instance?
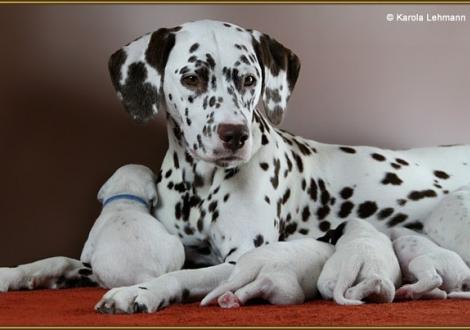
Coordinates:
(406, 292)
(228, 300)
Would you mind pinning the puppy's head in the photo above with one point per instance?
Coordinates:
(131, 179)
(209, 77)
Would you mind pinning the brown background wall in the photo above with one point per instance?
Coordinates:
(62, 131)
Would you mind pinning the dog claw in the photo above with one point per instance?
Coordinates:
(140, 308)
(104, 309)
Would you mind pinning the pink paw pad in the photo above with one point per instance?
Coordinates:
(404, 292)
(228, 300)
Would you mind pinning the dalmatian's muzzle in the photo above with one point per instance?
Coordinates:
(209, 90)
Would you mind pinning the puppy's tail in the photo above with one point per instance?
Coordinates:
(348, 273)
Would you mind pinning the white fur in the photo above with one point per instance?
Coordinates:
(434, 272)
(281, 273)
(454, 211)
(127, 245)
(363, 266)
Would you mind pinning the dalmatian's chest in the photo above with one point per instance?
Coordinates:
(300, 188)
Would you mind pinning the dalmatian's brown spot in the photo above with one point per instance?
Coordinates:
(291, 228)
(322, 212)
(395, 166)
(324, 195)
(304, 149)
(305, 213)
(188, 230)
(303, 184)
(193, 47)
(275, 178)
(441, 175)
(345, 209)
(417, 195)
(264, 139)
(303, 231)
(212, 206)
(348, 150)
(401, 201)
(176, 160)
(286, 196)
(378, 157)
(391, 178)
(259, 240)
(210, 61)
(324, 226)
(396, 219)
(346, 192)
(402, 162)
(267, 200)
(385, 213)
(366, 209)
(416, 225)
(313, 190)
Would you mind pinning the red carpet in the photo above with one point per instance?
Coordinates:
(75, 307)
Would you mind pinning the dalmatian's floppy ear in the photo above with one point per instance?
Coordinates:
(137, 73)
(280, 68)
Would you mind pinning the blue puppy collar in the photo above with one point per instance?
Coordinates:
(128, 197)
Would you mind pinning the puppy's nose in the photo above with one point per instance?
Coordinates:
(234, 136)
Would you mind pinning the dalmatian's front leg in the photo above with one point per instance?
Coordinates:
(51, 273)
(175, 287)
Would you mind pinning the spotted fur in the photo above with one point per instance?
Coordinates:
(275, 186)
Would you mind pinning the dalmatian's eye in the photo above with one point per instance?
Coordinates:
(190, 80)
(249, 81)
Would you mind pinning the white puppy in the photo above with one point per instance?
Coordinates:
(435, 272)
(281, 273)
(127, 245)
(363, 266)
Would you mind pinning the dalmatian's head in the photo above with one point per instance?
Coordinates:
(209, 77)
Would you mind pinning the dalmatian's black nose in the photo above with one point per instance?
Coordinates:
(234, 136)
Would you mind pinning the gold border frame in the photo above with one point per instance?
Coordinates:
(231, 2)
(237, 2)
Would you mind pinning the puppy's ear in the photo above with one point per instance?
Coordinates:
(137, 72)
(151, 193)
(280, 70)
(103, 192)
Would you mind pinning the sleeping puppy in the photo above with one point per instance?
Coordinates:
(435, 272)
(273, 272)
(363, 266)
(125, 232)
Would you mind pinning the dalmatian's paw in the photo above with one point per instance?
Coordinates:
(228, 300)
(9, 279)
(132, 299)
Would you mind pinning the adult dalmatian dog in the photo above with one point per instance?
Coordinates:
(231, 181)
